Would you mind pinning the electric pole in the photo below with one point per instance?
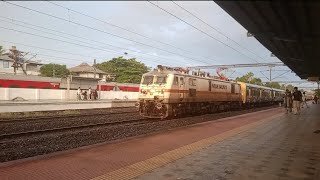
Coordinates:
(270, 74)
(94, 67)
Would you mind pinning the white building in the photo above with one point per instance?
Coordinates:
(87, 71)
(29, 67)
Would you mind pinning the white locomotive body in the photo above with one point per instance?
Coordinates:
(171, 92)
(165, 92)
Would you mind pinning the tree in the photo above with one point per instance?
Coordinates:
(249, 78)
(125, 70)
(54, 70)
(1, 50)
(317, 92)
(289, 87)
(273, 85)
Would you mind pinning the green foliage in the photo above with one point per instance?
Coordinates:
(249, 78)
(125, 70)
(289, 87)
(273, 85)
(317, 92)
(54, 70)
(1, 50)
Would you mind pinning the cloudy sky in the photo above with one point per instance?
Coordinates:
(58, 34)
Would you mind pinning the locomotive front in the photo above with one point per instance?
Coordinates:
(153, 97)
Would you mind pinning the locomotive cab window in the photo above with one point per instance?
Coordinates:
(181, 81)
(161, 80)
(192, 82)
(176, 81)
(233, 88)
(147, 80)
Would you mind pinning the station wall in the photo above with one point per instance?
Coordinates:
(59, 94)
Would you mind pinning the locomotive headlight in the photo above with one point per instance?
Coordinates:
(143, 91)
(158, 105)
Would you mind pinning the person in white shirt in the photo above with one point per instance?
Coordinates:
(79, 94)
(304, 100)
(90, 93)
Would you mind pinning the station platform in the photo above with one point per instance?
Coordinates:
(53, 105)
(262, 145)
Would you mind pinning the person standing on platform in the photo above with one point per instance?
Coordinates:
(79, 94)
(90, 93)
(297, 98)
(95, 94)
(315, 98)
(288, 101)
(304, 100)
(85, 97)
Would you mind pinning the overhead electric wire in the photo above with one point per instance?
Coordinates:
(114, 25)
(88, 27)
(203, 32)
(56, 35)
(59, 57)
(125, 29)
(46, 37)
(215, 29)
(64, 41)
(125, 49)
(90, 47)
(28, 45)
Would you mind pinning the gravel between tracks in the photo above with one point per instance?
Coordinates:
(33, 125)
(24, 147)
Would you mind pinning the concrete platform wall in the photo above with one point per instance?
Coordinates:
(59, 94)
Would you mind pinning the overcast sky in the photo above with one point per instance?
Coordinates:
(160, 39)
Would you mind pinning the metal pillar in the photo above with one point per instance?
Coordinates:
(270, 74)
(68, 88)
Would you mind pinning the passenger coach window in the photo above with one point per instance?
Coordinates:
(147, 80)
(161, 80)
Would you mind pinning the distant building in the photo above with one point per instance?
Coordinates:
(30, 67)
(87, 71)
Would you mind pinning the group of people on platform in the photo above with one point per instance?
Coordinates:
(296, 100)
(87, 95)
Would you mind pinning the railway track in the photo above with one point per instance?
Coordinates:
(16, 120)
(79, 127)
(37, 118)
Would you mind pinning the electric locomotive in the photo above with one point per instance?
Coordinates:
(170, 92)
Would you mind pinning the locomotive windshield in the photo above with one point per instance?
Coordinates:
(161, 80)
(147, 80)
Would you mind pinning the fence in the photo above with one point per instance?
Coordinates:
(59, 94)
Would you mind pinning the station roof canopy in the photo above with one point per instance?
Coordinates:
(289, 29)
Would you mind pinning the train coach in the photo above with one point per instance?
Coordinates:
(38, 82)
(167, 92)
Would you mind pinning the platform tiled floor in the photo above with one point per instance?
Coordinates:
(260, 145)
(284, 148)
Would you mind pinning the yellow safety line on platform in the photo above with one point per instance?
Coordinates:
(145, 166)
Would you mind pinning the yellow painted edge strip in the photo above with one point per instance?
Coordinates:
(145, 166)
